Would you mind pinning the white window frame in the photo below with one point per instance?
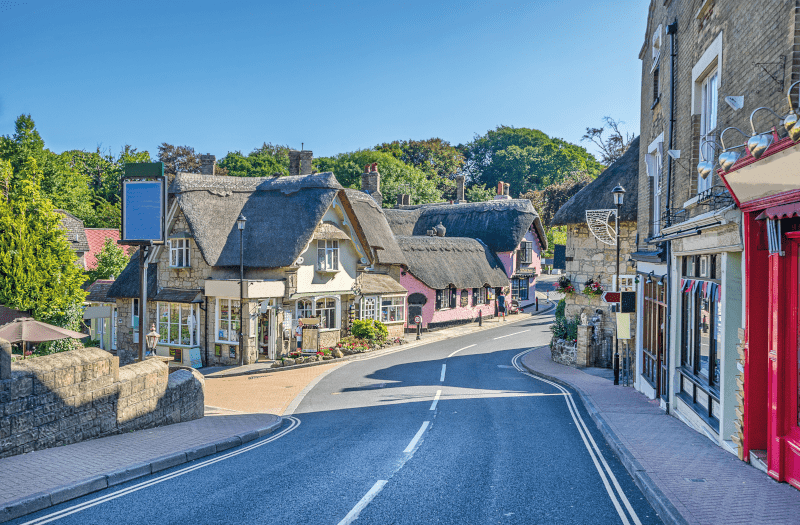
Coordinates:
(654, 161)
(177, 248)
(230, 319)
(372, 312)
(706, 104)
(336, 311)
(655, 47)
(191, 323)
(329, 250)
(398, 308)
(709, 90)
(309, 311)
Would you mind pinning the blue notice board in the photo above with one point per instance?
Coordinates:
(143, 203)
(194, 358)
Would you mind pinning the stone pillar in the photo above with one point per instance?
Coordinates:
(294, 162)
(584, 351)
(306, 157)
(5, 359)
(208, 164)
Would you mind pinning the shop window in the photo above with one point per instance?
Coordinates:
(519, 288)
(392, 309)
(464, 298)
(326, 311)
(179, 253)
(654, 320)
(177, 324)
(305, 309)
(228, 320)
(369, 308)
(327, 255)
(487, 295)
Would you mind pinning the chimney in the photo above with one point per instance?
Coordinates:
(208, 163)
(305, 162)
(460, 189)
(506, 189)
(371, 182)
(294, 162)
(406, 200)
(400, 198)
(502, 191)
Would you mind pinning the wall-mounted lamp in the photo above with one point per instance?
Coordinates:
(790, 120)
(759, 142)
(704, 167)
(650, 277)
(736, 103)
(728, 158)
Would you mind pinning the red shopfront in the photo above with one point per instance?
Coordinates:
(768, 192)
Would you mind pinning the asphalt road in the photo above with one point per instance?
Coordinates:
(373, 443)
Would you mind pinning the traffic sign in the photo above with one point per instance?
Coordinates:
(611, 297)
(417, 319)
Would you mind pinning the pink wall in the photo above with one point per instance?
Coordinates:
(509, 260)
(429, 313)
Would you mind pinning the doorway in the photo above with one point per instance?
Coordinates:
(267, 335)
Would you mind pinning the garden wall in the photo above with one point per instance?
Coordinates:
(83, 394)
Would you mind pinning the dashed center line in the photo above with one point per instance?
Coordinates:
(436, 399)
(353, 514)
(417, 437)
(515, 333)
(444, 368)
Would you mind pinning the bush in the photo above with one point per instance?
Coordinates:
(363, 329)
(564, 328)
(381, 332)
(561, 309)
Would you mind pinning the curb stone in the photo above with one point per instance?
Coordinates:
(42, 500)
(660, 502)
(376, 353)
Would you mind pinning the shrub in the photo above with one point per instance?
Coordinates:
(363, 329)
(561, 308)
(381, 332)
(564, 328)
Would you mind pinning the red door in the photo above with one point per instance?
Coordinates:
(784, 353)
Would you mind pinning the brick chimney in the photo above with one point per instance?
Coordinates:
(306, 156)
(208, 163)
(406, 199)
(460, 190)
(371, 182)
(503, 189)
(294, 162)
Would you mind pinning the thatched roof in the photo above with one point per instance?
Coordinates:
(76, 233)
(378, 283)
(282, 214)
(500, 224)
(597, 194)
(374, 225)
(440, 262)
(127, 284)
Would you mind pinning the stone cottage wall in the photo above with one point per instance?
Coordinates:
(588, 257)
(83, 394)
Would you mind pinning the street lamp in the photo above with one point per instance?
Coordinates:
(619, 195)
(240, 224)
(152, 340)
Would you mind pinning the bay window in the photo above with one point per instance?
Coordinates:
(305, 309)
(228, 319)
(327, 255)
(369, 307)
(392, 309)
(177, 324)
(326, 311)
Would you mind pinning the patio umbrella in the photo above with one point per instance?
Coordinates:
(28, 329)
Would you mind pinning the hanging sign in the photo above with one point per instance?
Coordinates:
(144, 204)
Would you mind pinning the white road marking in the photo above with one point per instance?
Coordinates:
(460, 349)
(594, 450)
(444, 368)
(515, 333)
(294, 423)
(299, 399)
(436, 399)
(417, 436)
(353, 514)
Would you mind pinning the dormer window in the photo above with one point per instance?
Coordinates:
(327, 255)
(179, 253)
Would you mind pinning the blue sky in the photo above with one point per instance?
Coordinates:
(337, 76)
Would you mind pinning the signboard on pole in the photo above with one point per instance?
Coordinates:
(623, 325)
(144, 204)
(560, 257)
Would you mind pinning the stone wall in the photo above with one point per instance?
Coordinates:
(587, 257)
(563, 353)
(83, 394)
(592, 352)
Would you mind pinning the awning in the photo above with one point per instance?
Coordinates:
(780, 212)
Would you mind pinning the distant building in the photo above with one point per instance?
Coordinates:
(76, 235)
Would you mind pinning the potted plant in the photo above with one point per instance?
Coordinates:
(593, 288)
(565, 285)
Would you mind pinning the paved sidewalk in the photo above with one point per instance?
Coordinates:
(34, 481)
(686, 477)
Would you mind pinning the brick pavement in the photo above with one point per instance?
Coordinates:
(658, 447)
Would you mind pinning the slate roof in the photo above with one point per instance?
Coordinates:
(597, 194)
(177, 295)
(127, 284)
(443, 261)
(378, 283)
(375, 226)
(76, 233)
(500, 224)
(281, 212)
(98, 291)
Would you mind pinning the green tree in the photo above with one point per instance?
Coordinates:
(264, 161)
(525, 158)
(437, 158)
(396, 176)
(177, 159)
(37, 266)
(111, 260)
(479, 193)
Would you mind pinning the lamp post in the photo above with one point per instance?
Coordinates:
(619, 195)
(240, 224)
(152, 340)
